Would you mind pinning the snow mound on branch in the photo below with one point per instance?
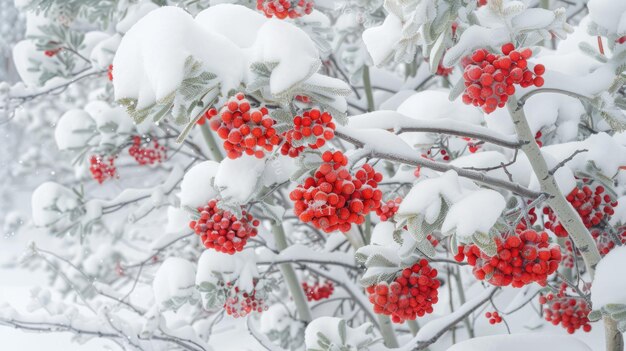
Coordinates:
(522, 342)
(609, 14)
(426, 197)
(354, 338)
(50, 202)
(24, 53)
(291, 48)
(242, 268)
(74, 129)
(383, 234)
(475, 212)
(113, 123)
(219, 19)
(175, 278)
(149, 64)
(520, 170)
(607, 287)
(195, 188)
(177, 221)
(381, 40)
(434, 104)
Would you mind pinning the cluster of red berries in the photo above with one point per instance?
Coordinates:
(490, 78)
(521, 259)
(102, 170)
(412, 294)
(333, 199)
(147, 154)
(388, 209)
(318, 291)
(605, 241)
(570, 312)
(243, 128)
(593, 207)
(51, 53)
(110, 73)
(241, 303)
(312, 124)
(285, 8)
(494, 317)
(472, 145)
(223, 231)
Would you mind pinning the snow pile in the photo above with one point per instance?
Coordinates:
(241, 268)
(476, 211)
(113, 123)
(609, 14)
(195, 188)
(134, 13)
(174, 279)
(608, 287)
(74, 130)
(177, 221)
(381, 40)
(149, 64)
(338, 333)
(522, 342)
(51, 202)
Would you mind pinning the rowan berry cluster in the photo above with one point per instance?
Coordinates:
(521, 259)
(494, 317)
(110, 72)
(285, 8)
(491, 78)
(313, 125)
(412, 294)
(605, 241)
(240, 303)
(594, 207)
(388, 209)
(148, 154)
(102, 169)
(243, 128)
(570, 312)
(223, 231)
(318, 290)
(333, 198)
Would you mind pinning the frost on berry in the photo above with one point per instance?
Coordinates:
(102, 169)
(333, 199)
(593, 205)
(240, 303)
(388, 209)
(521, 259)
(285, 8)
(317, 291)
(223, 231)
(412, 293)
(568, 311)
(491, 78)
(313, 128)
(243, 128)
(148, 152)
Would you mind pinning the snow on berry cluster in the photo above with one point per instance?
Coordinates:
(312, 124)
(102, 169)
(412, 294)
(490, 78)
(388, 209)
(594, 207)
(493, 317)
(240, 303)
(521, 259)
(285, 8)
(244, 129)
(333, 199)
(147, 154)
(568, 311)
(222, 230)
(318, 290)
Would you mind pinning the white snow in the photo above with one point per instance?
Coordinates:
(195, 188)
(522, 342)
(50, 202)
(241, 268)
(219, 19)
(607, 288)
(329, 327)
(381, 40)
(74, 129)
(608, 14)
(238, 179)
(466, 217)
(426, 196)
(174, 278)
(133, 14)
